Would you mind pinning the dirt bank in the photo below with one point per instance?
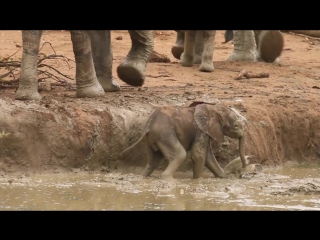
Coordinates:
(68, 133)
(77, 134)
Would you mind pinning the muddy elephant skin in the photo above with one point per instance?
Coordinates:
(171, 131)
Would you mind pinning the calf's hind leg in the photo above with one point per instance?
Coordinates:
(154, 159)
(175, 153)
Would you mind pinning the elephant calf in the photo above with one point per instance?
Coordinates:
(172, 131)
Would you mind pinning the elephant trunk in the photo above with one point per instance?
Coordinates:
(242, 151)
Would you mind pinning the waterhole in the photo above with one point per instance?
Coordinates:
(285, 188)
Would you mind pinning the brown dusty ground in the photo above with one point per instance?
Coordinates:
(283, 110)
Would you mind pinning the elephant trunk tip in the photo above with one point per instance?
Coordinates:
(242, 151)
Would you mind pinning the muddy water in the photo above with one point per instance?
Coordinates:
(287, 188)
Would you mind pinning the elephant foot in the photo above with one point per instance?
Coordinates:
(177, 50)
(243, 56)
(147, 171)
(132, 71)
(251, 168)
(92, 91)
(27, 93)
(221, 175)
(270, 45)
(107, 85)
(186, 60)
(168, 179)
(259, 59)
(206, 67)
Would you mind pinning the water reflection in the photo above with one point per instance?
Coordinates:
(288, 188)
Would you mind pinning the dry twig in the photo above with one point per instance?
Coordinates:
(157, 57)
(246, 74)
(58, 76)
(302, 35)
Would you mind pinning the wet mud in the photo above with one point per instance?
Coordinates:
(294, 187)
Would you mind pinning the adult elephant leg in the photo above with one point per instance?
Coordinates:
(208, 47)
(102, 59)
(28, 83)
(212, 163)
(86, 79)
(198, 153)
(154, 160)
(132, 69)
(269, 44)
(177, 49)
(187, 57)
(245, 48)
(198, 47)
(228, 36)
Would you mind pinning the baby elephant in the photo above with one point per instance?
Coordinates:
(171, 131)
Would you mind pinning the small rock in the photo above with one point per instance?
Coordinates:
(119, 38)
(128, 95)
